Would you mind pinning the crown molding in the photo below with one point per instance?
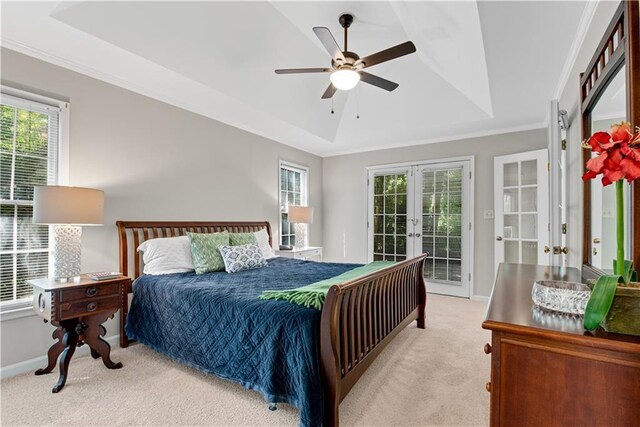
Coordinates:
(583, 27)
(449, 138)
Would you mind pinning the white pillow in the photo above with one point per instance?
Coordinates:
(167, 255)
(262, 238)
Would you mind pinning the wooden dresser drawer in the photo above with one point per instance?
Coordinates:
(74, 294)
(88, 306)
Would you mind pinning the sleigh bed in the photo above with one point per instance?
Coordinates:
(359, 317)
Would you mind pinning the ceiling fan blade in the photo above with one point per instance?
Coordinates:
(303, 70)
(388, 54)
(331, 90)
(329, 43)
(378, 81)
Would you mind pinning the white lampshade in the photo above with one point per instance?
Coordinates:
(55, 204)
(300, 214)
(344, 79)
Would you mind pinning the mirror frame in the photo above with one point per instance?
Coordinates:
(625, 29)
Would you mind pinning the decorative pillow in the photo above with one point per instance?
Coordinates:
(236, 239)
(205, 252)
(166, 255)
(262, 237)
(242, 257)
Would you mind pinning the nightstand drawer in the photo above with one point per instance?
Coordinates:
(99, 290)
(85, 307)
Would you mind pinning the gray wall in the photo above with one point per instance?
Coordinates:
(344, 190)
(154, 162)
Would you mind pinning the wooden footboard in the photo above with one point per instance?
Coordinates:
(359, 319)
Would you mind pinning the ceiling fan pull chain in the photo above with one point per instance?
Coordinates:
(332, 105)
(358, 102)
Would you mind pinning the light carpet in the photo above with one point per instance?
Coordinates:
(424, 377)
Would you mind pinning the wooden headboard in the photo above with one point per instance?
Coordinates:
(139, 231)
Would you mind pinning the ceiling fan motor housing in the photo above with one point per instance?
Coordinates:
(346, 19)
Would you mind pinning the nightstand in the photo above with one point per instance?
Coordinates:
(310, 253)
(77, 309)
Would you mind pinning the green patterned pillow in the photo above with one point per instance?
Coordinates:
(237, 239)
(205, 253)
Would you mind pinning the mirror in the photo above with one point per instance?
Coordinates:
(610, 92)
(610, 108)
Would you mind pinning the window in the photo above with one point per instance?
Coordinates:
(29, 147)
(293, 191)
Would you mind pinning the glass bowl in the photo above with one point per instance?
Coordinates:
(564, 297)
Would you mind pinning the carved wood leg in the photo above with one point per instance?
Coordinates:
(54, 351)
(331, 410)
(93, 337)
(94, 354)
(70, 341)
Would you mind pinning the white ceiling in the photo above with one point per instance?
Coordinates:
(480, 68)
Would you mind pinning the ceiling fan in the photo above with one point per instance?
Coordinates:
(346, 67)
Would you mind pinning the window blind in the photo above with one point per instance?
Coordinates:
(29, 145)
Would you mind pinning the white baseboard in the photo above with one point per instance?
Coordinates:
(41, 362)
(480, 298)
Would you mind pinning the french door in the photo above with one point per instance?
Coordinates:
(521, 199)
(424, 208)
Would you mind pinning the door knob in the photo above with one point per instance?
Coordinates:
(596, 240)
(410, 235)
(417, 234)
(546, 249)
(595, 251)
(560, 250)
(499, 238)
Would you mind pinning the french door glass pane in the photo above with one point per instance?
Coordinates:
(441, 223)
(520, 212)
(390, 217)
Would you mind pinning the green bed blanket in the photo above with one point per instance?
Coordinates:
(313, 295)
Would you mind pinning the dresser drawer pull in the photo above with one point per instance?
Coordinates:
(487, 348)
(92, 306)
(488, 386)
(91, 291)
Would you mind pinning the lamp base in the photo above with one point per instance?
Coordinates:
(301, 232)
(67, 245)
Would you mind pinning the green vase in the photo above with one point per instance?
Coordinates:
(624, 314)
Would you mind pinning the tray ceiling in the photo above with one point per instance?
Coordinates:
(480, 68)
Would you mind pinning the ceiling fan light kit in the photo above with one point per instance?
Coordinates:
(345, 79)
(347, 67)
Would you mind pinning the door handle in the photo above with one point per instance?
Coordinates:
(410, 235)
(596, 240)
(499, 238)
(560, 250)
(417, 234)
(546, 249)
(595, 251)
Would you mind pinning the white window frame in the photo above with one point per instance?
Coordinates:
(22, 307)
(304, 193)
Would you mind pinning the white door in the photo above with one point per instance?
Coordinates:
(424, 208)
(389, 191)
(443, 226)
(522, 208)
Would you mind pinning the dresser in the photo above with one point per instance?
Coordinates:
(310, 253)
(546, 370)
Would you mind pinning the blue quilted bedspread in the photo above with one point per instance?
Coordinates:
(216, 323)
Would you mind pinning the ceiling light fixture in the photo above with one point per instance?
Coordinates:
(345, 79)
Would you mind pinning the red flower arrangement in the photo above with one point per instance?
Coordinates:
(618, 154)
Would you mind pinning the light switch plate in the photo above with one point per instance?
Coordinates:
(488, 214)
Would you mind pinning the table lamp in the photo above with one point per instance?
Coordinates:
(300, 215)
(67, 209)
